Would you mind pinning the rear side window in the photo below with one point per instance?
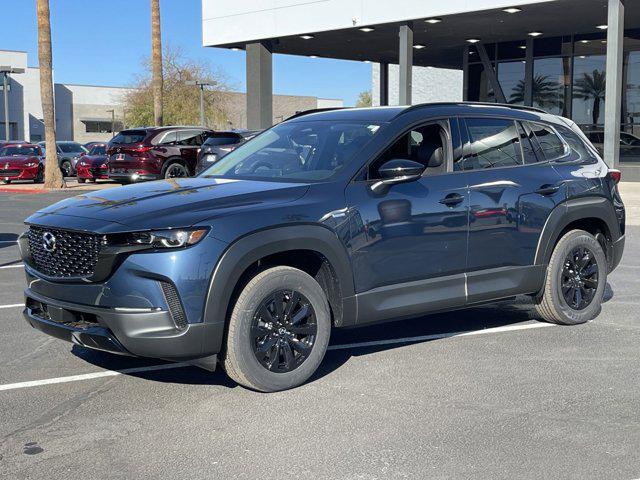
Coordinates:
(579, 150)
(493, 143)
(129, 136)
(551, 145)
(528, 146)
(189, 138)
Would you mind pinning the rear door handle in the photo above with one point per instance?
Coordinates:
(546, 190)
(452, 200)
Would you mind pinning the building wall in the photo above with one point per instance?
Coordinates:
(429, 85)
(231, 21)
(234, 105)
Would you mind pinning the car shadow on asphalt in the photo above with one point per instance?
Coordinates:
(444, 324)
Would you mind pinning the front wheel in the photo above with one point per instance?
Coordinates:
(278, 331)
(66, 168)
(575, 281)
(82, 180)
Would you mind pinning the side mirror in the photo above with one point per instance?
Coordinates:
(397, 171)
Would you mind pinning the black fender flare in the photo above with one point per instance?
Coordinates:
(250, 248)
(599, 208)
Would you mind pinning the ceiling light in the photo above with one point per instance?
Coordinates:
(313, 56)
(307, 37)
(433, 21)
(534, 34)
(583, 56)
(367, 61)
(512, 10)
(602, 27)
(585, 41)
(522, 47)
(366, 29)
(473, 40)
(419, 47)
(235, 49)
(472, 53)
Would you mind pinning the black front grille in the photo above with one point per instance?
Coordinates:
(9, 173)
(71, 254)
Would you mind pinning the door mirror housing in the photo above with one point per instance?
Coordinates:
(395, 171)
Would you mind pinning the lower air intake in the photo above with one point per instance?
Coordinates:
(174, 303)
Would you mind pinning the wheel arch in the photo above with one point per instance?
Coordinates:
(592, 214)
(292, 246)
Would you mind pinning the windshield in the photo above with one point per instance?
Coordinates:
(98, 150)
(304, 151)
(11, 151)
(71, 147)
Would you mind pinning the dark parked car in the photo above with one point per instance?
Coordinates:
(68, 155)
(21, 161)
(154, 153)
(629, 144)
(93, 165)
(331, 219)
(219, 144)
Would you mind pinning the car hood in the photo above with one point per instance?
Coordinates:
(164, 204)
(16, 161)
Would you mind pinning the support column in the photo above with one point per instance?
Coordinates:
(528, 74)
(384, 84)
(259, 86)
(406, 63)
(490, 73)
(465, 74)
(613, 95)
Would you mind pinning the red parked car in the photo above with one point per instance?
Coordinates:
(93, 165)
(154, 153)
(21, 161)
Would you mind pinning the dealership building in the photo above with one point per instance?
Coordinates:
(577, 58)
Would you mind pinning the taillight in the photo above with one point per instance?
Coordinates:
(143, 148)
(616, 175)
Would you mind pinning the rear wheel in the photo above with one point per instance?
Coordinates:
(39, 176)
(176, 170)
(278, 331)
(575, 281)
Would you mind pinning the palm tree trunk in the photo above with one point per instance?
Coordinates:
(156, 61)
(596, 110)
(52, 174)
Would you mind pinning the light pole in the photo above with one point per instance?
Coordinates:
(113, 122)
(5, 70)
(201, 85)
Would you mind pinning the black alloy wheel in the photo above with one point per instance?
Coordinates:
(579, 278)
(284, 331)
(66, 169)
(176, 170)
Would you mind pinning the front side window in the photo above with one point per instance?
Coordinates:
(19, 150)
(551, 145)
(304, 151)
(493, 143)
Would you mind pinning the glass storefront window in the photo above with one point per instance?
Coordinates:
(479, 87)
(551, 84)
(511, 78)
(589, 81)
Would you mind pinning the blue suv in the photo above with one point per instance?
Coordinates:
(330, 219)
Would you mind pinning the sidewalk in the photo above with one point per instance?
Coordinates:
(630, 192)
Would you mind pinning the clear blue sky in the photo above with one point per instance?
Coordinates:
(102, 42)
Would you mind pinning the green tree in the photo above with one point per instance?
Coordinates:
(181, 102)
(364, 99)
(591, 87)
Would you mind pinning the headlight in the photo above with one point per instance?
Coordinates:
(30, 164)
(83, 164)
(160, 238)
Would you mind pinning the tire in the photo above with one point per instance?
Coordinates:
(5, 182)
(175, 170)
(66, 169)
(82, 180)
(39, 176)
(243, 360)
(564, 271)
(92, 180)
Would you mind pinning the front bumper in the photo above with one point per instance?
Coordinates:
(19, 173)
(90, 172)
(137, 332)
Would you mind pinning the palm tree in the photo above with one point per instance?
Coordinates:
(52, 174)
(591, 87)
(545, 92)
(156, 61)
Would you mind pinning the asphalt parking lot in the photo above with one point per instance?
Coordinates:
(512, 398)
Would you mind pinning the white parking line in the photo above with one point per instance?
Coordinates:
(17, 265)
(393, 341)
(13, 305)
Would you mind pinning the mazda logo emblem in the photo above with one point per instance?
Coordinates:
(49, 241)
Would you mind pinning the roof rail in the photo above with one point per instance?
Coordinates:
(485, 104)
(313, 110)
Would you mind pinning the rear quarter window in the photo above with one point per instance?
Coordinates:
(579, 149)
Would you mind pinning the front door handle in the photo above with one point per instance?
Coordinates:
(452, 200)
(546, 190)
